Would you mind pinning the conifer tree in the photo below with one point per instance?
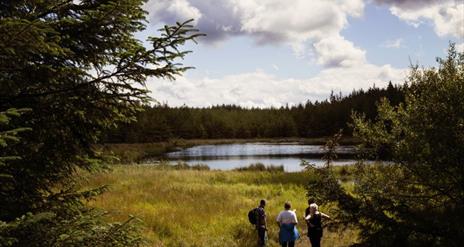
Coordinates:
(78, 69)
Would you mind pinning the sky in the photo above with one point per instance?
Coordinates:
(269, 53)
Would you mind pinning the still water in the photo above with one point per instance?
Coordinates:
(230, 156)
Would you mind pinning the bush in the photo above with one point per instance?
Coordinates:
(417, 198)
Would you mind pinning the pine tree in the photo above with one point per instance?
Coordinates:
(77, 68)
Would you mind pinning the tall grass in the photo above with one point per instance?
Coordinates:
(201, 207)
(260, 167)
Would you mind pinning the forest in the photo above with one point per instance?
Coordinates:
(311, 119)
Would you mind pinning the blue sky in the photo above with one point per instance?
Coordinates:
(268, 53)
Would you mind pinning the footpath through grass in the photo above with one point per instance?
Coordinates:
(204, 208)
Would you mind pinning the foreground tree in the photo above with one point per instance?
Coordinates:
(77, 68)
(418, 198)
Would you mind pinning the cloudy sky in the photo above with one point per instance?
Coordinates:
(272, 52)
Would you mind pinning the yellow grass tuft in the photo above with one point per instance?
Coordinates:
(204, 208)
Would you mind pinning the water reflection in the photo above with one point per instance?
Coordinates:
(230, 156)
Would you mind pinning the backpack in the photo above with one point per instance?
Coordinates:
(253, 216)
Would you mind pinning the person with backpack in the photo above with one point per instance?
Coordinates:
(287, 222)
(257, 217)
(314, 221)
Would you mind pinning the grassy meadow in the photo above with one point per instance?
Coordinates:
(202, 207)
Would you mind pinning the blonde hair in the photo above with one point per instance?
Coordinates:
(314, 206)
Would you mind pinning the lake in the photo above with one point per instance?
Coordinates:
(230, 156)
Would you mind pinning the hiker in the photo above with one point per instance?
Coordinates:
(310, 201)
(260, 222)
(287, 222)
(314, 221)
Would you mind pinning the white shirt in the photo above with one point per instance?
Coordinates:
(287, 217)
(317, 212)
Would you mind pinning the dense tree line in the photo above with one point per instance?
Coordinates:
(312, 119)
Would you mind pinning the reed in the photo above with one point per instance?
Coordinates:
(203, 207)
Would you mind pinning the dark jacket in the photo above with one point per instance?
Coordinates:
(261, 220)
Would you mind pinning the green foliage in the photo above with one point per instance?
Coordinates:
(77, 68)
(417, 198)
(313, 119)
(85, 228)
(9, 135)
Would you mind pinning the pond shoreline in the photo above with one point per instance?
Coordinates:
(138, 152)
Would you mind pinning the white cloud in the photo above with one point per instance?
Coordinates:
(306, 26)
(396, 43)
(260, 89)
(172, 11)
(460, 47)
(447, 17)
(312, 28)
(336, 51)
(295, 23)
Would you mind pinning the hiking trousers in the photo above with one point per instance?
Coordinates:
(261, 236)
(288, 244)
(315, 241)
